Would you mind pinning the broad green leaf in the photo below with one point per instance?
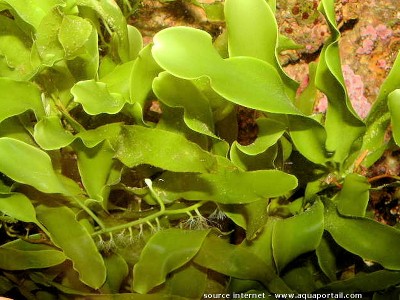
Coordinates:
(188, 53)
(378, 118)
(18, 206)
(360, 236)
(15, 51)
(365, 282)
(47, 43)
(32, 11)
(394, 108)
(139, 145)
(14, 128)
(326, 258)
(94, 166)
(92, 138)
(238, 262)
(257, 17)
(135, 42)
(63, 227)
(40, 174)
(182, 282)
(296, 235)
(352, 200)
(261, 161)
(225, 186)
(17, 97)
(117, 80)
(13, 259)
(96, 98)
(50, 134)
(342, 124)
(301, 279)
(73, 34)
(176, 92)
(117, 271)
(166, 251)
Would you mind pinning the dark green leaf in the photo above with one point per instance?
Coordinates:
(165, 252)
(64, 231)
(140, 145)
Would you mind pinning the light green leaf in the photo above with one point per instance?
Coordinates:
(63, 227)
(226, 186)
(74, 33)
(378, 118)
(188, 53)
(13, 259)
(117, 80)
(96, 99)
(257, 17)
(238, 262)
(135, 42)
(297, 235)
(17, 97)
(50, 134)
(117, 271)
(352, 200)
(18, 206)
(140, 145)
(176, 92)
(15, 51)
(181, 282)
(326, 258)
(165, 252)
(33, 11)
(47, 43)
(41, 174)
(94, 166)
(360, 236)
(394, 108)
(342, 124)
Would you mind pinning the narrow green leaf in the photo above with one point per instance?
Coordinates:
(63, 227)
(342, 124)
(378, 119)
(17, 97)
(326, 258)
(375, 281)
(394, 108)
(94, 166)
(117, 271)
(96, 99)
(165, 252)
(352, 200)
(18, 206)
(140, 145)
(360, 236)
(41, 174)
(135, 42)
(13, 259)
(225, 186)
(297, 235)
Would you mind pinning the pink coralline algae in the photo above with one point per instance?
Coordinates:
(355, 90)
(370, 35)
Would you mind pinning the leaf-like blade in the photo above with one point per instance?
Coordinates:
(360, 236)
(297, 235)
(13, 259)
(165, 252)
(226, 186)
(17, 97)
(96, 99)
(64, 229)
(394, 108)
(50, 134)
(18, 206)
(41, 174)
(140, 145)
(352, 200)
